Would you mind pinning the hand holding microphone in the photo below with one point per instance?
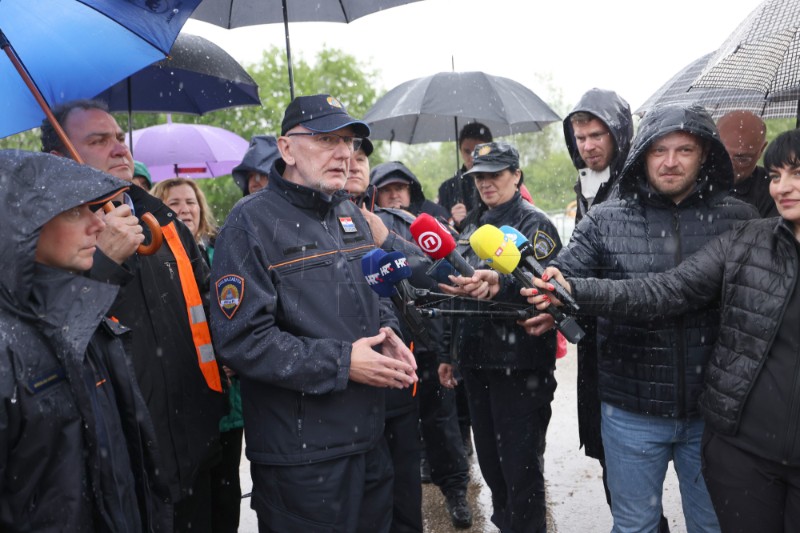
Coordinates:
(502, 255)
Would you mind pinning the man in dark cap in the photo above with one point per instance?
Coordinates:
(458, 194)
(295, 320)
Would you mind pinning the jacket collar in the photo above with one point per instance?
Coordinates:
(300, 195)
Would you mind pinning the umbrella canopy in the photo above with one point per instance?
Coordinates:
(237, 13)
(436, 107)
(187, 150)
(198, 77)
(75, 49)
(718, 101)
(761, 54)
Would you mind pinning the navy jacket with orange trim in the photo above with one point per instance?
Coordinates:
(291, 299)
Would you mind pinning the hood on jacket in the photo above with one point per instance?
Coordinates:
(34, 188)
(615, 113)
(382, 173)
(716, 171)
(260, 156)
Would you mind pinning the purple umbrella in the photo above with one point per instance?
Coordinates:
(187, 150)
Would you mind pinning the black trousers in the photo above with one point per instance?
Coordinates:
(192, 514)
(402, 437)
(750, 493)
(510, 415)
(226, 491)
(444, 447)
(351, 494)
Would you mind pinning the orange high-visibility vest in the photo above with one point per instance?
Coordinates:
(194, 307)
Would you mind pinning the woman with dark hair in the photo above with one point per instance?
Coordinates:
(508, 376)
(751, 399)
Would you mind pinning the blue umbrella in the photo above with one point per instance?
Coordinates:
(76, 49)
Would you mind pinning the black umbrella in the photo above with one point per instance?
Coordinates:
(198, 77)
(718, 101)
(237, 13)
(762, 54)
(435, 108)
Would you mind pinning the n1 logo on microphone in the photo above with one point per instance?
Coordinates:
(429, 241)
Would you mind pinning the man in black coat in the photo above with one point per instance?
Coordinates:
(77, 445)
(673, 198)
(174, 360)
(744, 135)
(295, 319)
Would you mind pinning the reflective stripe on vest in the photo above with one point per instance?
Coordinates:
(194, 306)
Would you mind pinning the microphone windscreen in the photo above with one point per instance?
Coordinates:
(394, 267)
(514, 235)
(370, 266)
(432, 237)
(491, 245)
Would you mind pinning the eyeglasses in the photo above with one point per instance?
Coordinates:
(594, 137)
(330, 141)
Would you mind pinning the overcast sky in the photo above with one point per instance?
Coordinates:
(630, 46)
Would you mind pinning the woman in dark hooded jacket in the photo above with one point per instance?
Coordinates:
(76, 439)
(252, 174)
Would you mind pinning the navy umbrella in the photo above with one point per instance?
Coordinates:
(198, 77)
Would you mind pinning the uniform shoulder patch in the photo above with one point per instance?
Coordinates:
(230, 291)
(543, 245)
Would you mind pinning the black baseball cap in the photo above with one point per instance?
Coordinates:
(320, 113)
(493, 157)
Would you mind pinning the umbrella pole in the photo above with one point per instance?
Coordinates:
(147, 218)
(458, 166)
(23, 73)
(288, 50)
(797, 120)
(130, 114)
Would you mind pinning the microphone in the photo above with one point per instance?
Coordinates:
(435, 240)
(528, 256)
(384, 274)
(502, 255)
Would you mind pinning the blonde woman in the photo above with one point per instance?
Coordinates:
(188, 201)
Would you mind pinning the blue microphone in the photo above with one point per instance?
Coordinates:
(528, 254)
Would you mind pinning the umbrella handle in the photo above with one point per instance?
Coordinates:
(156, 237)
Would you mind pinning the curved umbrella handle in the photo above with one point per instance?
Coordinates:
(156, 237)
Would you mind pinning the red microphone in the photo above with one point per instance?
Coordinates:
(435, 240)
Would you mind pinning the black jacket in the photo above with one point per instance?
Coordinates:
(291, 300)
(459, 189)
(754, 190)
(750, 394)
(482, 343)
(77, 447)
(615, 113)
(655, 367)
(185, 411)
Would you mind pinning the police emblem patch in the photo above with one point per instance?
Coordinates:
(543, 245)
(347, 224)
(230, 291)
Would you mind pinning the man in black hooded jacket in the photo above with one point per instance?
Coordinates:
(77, 444)
(598, 134)
(673, 198)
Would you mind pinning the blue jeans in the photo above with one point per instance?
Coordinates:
(638, 450)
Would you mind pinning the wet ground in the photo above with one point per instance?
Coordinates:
(576, 502)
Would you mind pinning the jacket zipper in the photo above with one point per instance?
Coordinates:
(680, 364)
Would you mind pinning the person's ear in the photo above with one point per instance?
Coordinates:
(285, 148)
